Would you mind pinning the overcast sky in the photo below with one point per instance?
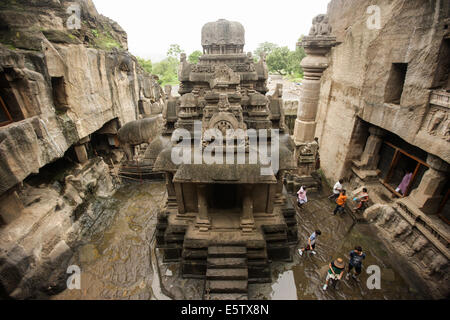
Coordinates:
(153, 25)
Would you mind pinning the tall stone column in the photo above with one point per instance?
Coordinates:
(202, 222)
(428, 195)
(317, 45)
(247, 219)
(371, 153)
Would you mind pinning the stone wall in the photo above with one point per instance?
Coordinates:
(357, 82)
(61, 87)
(423, 257)
(65, 84)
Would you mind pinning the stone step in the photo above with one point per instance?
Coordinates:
(227, 263)
(270, 237)
(227, 252)
(227, 286)
(227, 274)
(227, 296)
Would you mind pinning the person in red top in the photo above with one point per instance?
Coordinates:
(340, 202)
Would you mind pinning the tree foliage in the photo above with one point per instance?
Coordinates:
(265, 47)
(145, 64)
(167, 71)
(174, 51)
(282, 60)
(194, 56)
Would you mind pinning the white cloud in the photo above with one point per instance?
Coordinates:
(153, 25)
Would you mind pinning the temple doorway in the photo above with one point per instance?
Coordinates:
(224, 197)
(401, 166)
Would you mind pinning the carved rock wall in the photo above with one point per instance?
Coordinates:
(356, 83)
(63, 84)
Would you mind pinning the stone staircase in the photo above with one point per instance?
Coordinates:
(227, 273)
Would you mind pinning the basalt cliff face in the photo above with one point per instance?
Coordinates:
(67, 84)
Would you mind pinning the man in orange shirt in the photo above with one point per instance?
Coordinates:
(341, 200)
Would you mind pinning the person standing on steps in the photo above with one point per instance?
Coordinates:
(335, 271)
(356, 258)
(302, 199)
(337, 189)
(340, 202)
(311, 245)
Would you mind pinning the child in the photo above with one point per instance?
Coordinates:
(302, 199)
(340, 202)
(311, 243)
(335, 271)
(362, 200)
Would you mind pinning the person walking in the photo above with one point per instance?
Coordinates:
(340, 202)
(337, 189)
(356, 258)
(311, 245)
(302, 199)
(335, 271)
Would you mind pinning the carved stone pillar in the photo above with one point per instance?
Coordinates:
(371, 153)
(317, 45)
(247, 220)
(428, 195)
(202, 222)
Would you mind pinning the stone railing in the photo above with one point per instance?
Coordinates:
(440, 98)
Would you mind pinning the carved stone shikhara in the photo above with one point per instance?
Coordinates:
(217, 205)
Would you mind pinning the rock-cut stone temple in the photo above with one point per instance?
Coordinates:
(225, 222)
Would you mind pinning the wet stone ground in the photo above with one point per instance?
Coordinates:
(304, 277)
(121, 262)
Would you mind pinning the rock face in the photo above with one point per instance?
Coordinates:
(67, 85)
(60, 85)
(387, 90)
(360, 83)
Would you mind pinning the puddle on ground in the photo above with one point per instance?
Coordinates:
(284, 287)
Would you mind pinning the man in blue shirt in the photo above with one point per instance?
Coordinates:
(356, 258)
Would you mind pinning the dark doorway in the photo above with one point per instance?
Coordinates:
(396, 81)
(224, 197)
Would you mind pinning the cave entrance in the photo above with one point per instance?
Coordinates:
(5, 117)
(397, 159)
(10, 110)
(396, 82)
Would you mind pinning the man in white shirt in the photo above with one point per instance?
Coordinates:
(337, 189)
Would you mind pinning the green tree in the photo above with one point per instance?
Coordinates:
(280, 61)
(145, 64)
(167, 71)
(265, 47)
(174, 51)
(194, 56)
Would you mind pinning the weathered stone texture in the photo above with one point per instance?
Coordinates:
(356, 81)
(64, 84)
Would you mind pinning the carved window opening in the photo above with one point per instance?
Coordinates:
(398, 158)
(442, 79)
(59, 94)
(444, 209)
(9, 107)
(396, 82)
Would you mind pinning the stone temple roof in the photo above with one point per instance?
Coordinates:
(223, 32)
